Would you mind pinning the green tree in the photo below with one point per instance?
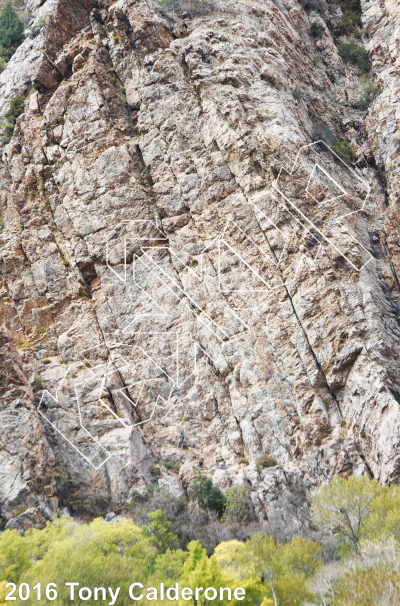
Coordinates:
(283, 569)
(384, 518)
(95, 554)
(11, 29)
(346, 504)
(169, 565)
(159, 532)
(302, 556)
(201, 571)
(237, 506)
(208, 497)
(351, 16)
(262, 556)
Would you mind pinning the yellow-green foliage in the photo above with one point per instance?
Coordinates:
(284, 570)
(384, 517)
(3, 593)
(368, 516)
(272, 573)
(346, 504)
(201, 571)
(107, 554)
(96, 553)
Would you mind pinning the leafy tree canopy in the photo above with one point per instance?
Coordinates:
(346, 504)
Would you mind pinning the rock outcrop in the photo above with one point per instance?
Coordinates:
(181, 254)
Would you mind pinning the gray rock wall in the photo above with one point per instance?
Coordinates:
(180, 254)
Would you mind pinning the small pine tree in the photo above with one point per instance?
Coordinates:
(11, 29)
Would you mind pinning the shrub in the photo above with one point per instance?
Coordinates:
(370, 585)
(351, 17)
(208, 497)
(243, 461)
(368, 94)
(1, 225)
(237, 506)
(298, 94)
(159, 532)
(353, 53)
(265, 461)
(172, 465)
(37, 383)
(316, 29)
(11, 29)
(322, 132)
(136, 498)
(17, 107)
(155, 471)
(344, 151)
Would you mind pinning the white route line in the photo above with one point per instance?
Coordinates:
(189, 298)
(133, 238)
(110, 370)
(339, 186)
(111, 366)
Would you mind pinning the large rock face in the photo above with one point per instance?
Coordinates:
(180, 254)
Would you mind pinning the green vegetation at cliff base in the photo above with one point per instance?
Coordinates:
(352, 561)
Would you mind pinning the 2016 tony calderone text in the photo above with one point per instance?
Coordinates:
(109, 594)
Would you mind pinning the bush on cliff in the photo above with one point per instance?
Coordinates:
(17, 107)
(237, 506)
(344, 151)
(353, 53)
(11, 31)
(369, 90)
(208, 497)
(322, 132)
(316, 29)
(351, 21)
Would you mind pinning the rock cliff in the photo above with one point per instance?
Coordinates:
(184, 252)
